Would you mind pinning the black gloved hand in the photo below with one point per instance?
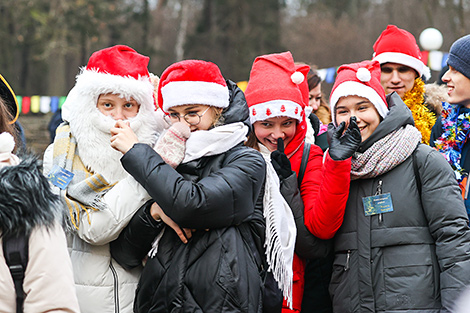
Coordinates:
(343, 146)
(315, 121)
(280, 161)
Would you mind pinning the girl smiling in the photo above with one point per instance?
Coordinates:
(404, 241)
(277, 94)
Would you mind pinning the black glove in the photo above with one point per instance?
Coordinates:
(280, 161)
(315, 121)
(343, 146)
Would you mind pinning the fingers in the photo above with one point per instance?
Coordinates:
(119, 126)
(280, 145)
(354, 129)
(179, 232)
(122, 124)
(188, 233)
(340, 129)
(352, 120)
(123, 137)
(155, 211)
(184, 234)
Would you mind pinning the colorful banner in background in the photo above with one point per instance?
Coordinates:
(39, 104)
(435, 60)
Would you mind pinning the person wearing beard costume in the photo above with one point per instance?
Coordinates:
(96, 191)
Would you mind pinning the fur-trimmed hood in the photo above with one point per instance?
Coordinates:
(434, 96)
(26, 199)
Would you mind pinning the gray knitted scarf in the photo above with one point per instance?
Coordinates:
(386, 153)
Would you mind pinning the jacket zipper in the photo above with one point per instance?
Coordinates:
(348, 256)
(379, 192)
(116, 287)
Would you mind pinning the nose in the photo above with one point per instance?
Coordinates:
(118, 114)
(358, 119)
(315, 104)
(186, 122)
(278, 133)
(445, 78)
(395, 77)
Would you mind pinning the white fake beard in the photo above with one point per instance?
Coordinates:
(92, 132)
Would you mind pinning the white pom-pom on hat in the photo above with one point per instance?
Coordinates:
(7, 142)
(297, 78)
(363, 75)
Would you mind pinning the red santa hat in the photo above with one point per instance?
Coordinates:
(359, 79)
(275, 87)
(192, 82)
(118, 70)
(397, 45)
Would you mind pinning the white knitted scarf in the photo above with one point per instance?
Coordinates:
(280, 225)
(281, 231)
(214, 141)
(205, 143)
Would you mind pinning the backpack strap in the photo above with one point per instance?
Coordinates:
(15, 250)
(303, 163)
(417, 176)
(416, 171)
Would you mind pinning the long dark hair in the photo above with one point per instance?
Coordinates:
(323, 112)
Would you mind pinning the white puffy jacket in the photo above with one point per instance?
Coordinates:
(102, 284)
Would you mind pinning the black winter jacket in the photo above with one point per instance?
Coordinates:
(415, 258)
(306, 244)
(218, 270)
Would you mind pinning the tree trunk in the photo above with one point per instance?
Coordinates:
(181, 36)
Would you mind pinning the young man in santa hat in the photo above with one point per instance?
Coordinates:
(96, 191)
(452, 130)
(402, 71)
(404, 243)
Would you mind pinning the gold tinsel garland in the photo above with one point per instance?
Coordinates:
(423, 117)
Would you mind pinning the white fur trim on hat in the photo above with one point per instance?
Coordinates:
(405, 59)
(352, 88)
(194, 92)
(91, 84)
(275, 108)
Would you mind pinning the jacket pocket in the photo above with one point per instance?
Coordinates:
(410, 277)
(342, 281)
(227, 281)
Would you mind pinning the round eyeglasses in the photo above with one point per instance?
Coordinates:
(192, 118)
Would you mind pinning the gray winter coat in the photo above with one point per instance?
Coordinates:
(416, 258)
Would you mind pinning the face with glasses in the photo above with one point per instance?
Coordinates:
(197, 116)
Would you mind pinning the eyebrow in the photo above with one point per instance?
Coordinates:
(190, 108)
(105, 98)
(359, 103)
